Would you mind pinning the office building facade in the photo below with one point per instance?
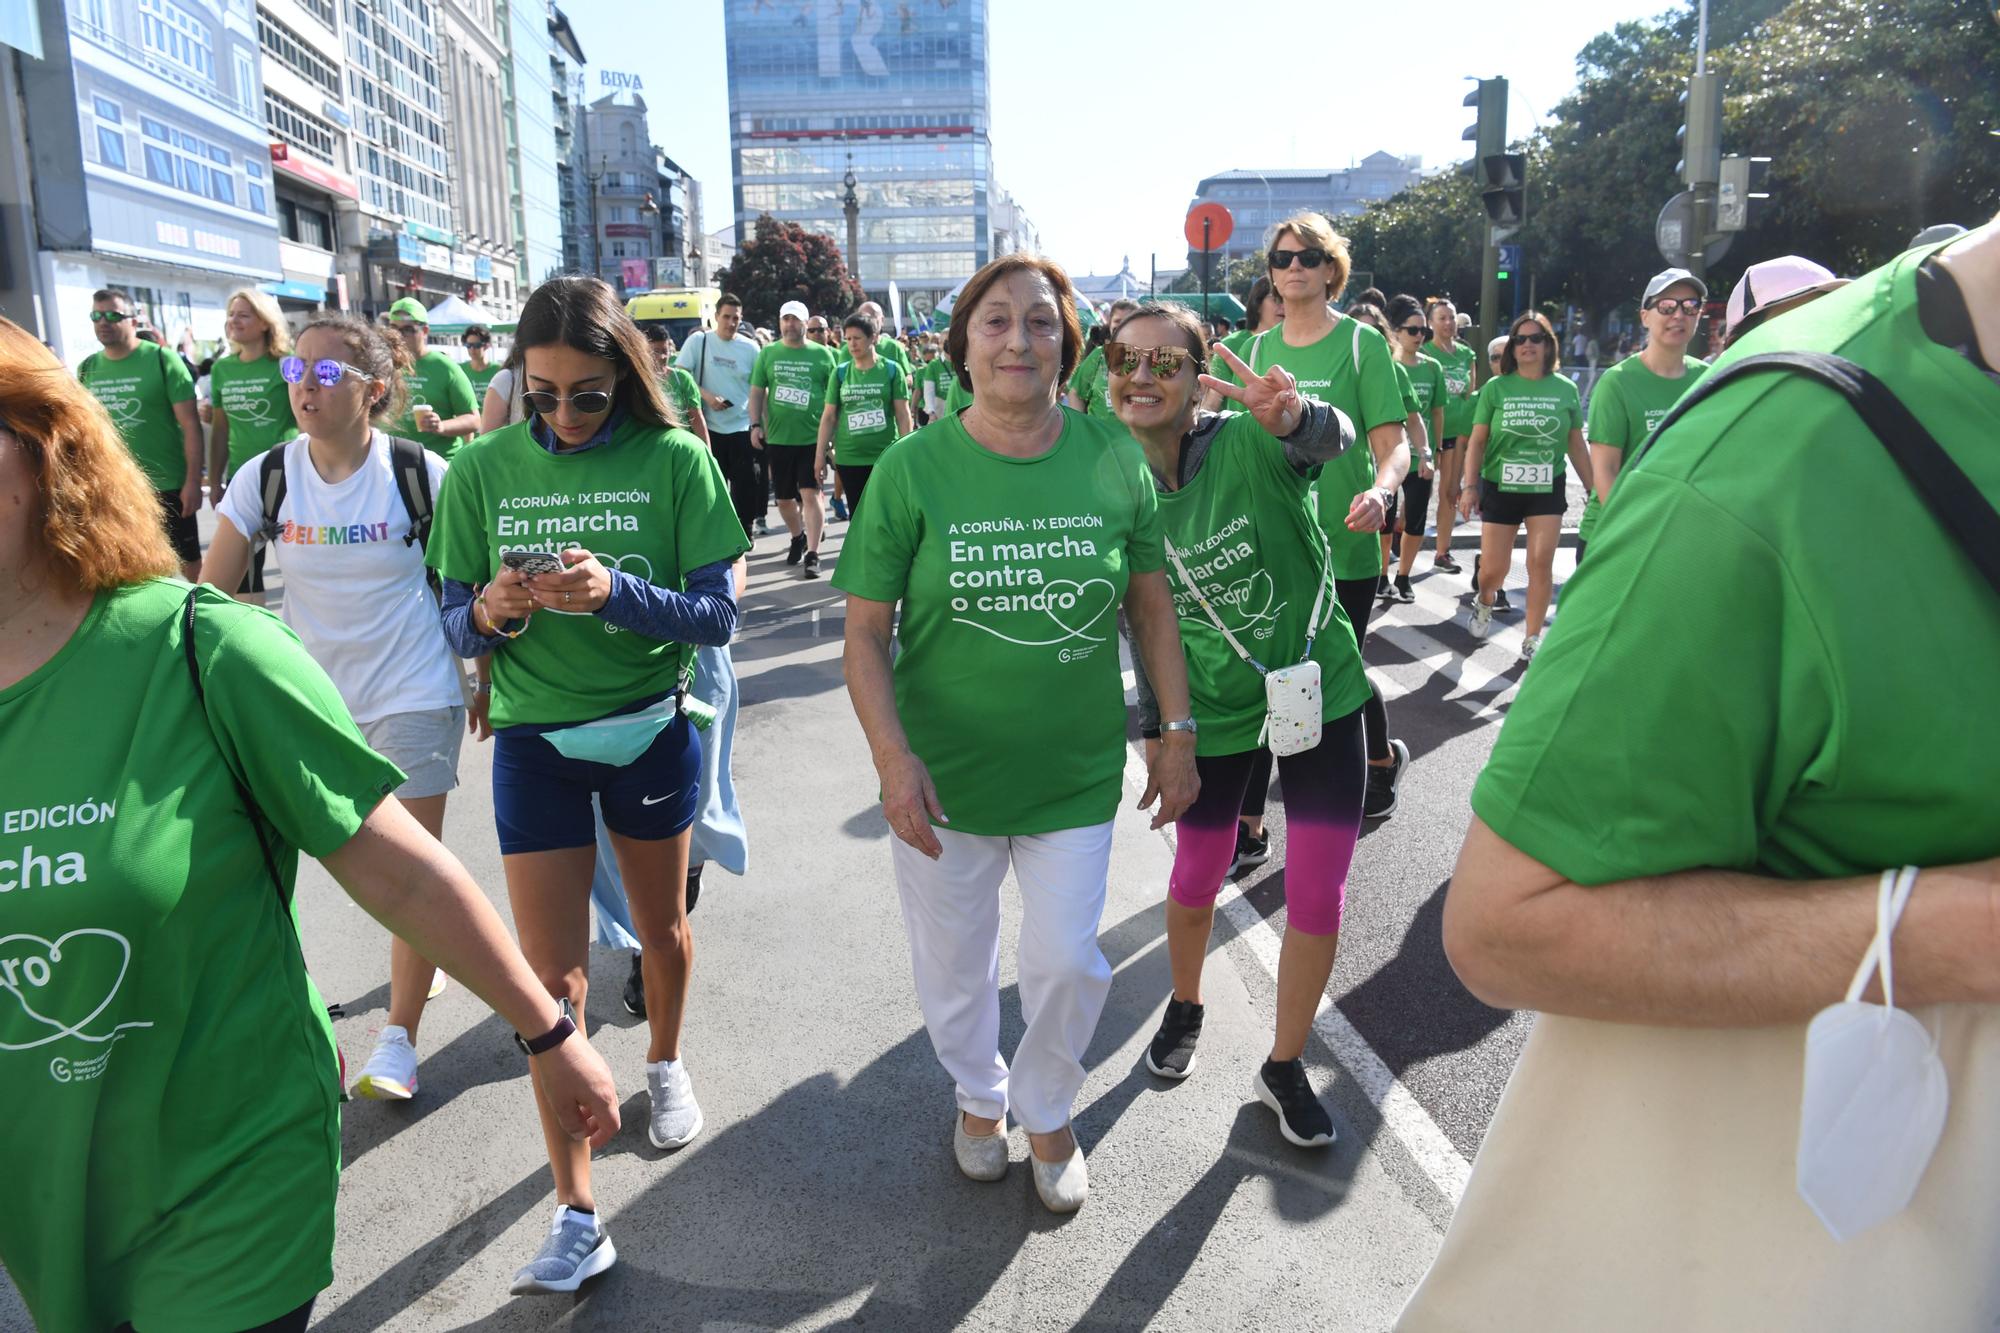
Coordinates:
(897, 93)
(475, 64)
(312, 152)
(1260, 200)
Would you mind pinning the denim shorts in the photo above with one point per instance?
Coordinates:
(541, 797)
(424, 744)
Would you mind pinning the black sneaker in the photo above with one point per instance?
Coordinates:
(1172, 1053)
(1282, 1086)
(635, 989)
(1251, 852)
(812, 564)
(798, 549)
(1500, 602)
(694, 886)
(1379, 801)
(1404, 592)
(1444, 564)
(1383, 591)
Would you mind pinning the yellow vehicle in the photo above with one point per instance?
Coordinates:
(681, 309)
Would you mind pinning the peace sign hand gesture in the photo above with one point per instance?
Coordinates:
(1272, 399)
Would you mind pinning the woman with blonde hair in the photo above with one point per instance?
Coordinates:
(251, 402)
(185, 1091)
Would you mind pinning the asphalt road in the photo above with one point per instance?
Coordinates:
(821, 1193)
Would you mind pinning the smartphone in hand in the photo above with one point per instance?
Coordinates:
(530, 563)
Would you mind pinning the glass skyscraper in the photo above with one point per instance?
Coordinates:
(895, 88)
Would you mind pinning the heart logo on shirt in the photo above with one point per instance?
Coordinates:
(1075, 607)
(51, 989)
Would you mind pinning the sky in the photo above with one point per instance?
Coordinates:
(1302, 84)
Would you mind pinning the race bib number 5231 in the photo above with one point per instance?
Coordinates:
(1527, 476)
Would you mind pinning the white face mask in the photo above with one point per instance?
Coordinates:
(1875, 1093)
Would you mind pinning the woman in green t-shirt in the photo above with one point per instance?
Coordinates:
(1010, 534)
(1408, 333)
(1526, 421)
(252, 404)
(1252, 584)
(165, 1061)
(867, 409)
(592, 650)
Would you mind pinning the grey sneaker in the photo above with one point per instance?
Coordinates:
(577, 1249)
(675, 1117)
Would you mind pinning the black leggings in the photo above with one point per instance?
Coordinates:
(854, 480)
(1416, 506)
(1357, 598)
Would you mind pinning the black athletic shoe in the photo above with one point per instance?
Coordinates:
(1383, 591)
(1500, 602)
(694, 887)
(1444, 564)
(1172, 1053)
(1379, 801)
(1282, 1086)
(1404, 592)
(635, 989)
(1250, 852)
(798, 549)
(812, 564)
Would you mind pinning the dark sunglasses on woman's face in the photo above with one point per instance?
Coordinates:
(328, 373)
(1422, 331)
(474, 343)
(1124, 359)
(1312, 257)
(108, 316)
(1686, 305)
(1533, 339)
(590, 402)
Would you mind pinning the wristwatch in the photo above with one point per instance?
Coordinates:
(565, 1027)
(1186, 724)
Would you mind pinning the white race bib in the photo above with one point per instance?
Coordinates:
(1527, 476)
(867, 419)
(786, 395)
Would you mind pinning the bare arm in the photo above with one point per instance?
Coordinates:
(759, 395)
(1605, 461)
(1156, 633)
(1391, 447)
(190, 419)
(825, 438)
(466, 424)
(1707, 948)
(494, 413)
(698, 424)
(406, 880)
(218, 457)
(909, 799)
(903, 422)
(228, 558)
(1420, 443)
(1579, 458)
(1475, 454)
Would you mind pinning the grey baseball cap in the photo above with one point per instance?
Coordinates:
(1666, 278)
(1940, 231)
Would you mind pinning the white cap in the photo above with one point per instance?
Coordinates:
(794, 308)
(1764, 285)
(1666, 278)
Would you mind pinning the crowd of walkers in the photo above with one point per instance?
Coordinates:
(546, 553)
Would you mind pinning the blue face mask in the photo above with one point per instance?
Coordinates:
(616, 741)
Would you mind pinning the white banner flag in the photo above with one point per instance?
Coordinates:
(895, 308)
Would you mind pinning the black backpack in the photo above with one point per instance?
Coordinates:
(413, 484)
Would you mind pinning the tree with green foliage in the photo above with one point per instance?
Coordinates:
(786, 262)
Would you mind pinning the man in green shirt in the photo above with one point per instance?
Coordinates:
(1677, 882)
(787, 395)
(150, 396)
(479, 370)
(1636, 394)
(444, 412)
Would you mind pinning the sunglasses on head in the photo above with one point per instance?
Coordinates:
(328, 373)
(1311, 257)
(1124, 359)
(590, 402)
(1681, 305)
(1533, 339)
(109, 316)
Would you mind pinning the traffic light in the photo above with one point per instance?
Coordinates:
(1741, 197)
(1502, 188)
(1700, 135)
(1489, 131)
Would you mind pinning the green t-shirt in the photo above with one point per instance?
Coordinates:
(682, 391)
(479, 379)
(1010, 572)
(1775, 730)
(165, 1062)
(886, 349)
(864, 416)
(1350, 368)
(1458, 365)
(1528, 424)
(1628, 401)
(1243, 533)
(1235, 342)
(961, 397)
(794, 383)
(649, 502)
(942, 379)
(140, 392)
(440, 381)
(1427, 386)
(1091, 383)
(257, 402)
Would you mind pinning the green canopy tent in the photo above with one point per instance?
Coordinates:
(1221, 305)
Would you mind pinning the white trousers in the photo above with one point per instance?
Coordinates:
(951, 909)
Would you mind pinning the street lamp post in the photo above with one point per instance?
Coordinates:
(649, 205)
(852, 204)
(596, 235)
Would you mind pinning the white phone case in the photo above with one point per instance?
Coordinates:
(1291, 694)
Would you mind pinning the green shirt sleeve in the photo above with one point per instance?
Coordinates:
(706, 529)
(458, 548)
(180, 384)
(1147, 550)
(760, 374)
(1575, 404)
(882, 540)
(1487, 403)
(458, 394)
(898, 386)
(1380, 395)
(284, 730)
(1407, 388)
(1601, 790)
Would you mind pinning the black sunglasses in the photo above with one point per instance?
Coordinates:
(590, 402)
(1422, 331)
(1534, 339)
(1311, 257)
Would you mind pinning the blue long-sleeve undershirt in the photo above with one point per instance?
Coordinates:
(704, 614)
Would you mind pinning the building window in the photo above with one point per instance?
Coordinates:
(319, 9)
(222, 187)
(106, 110)
(297, 126)
(159, 165)
(172, 32)
(257, 199)
(246, 82)
(304, 224)
(110, 147)
(294, 53)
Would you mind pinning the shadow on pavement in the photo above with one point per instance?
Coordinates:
(482, 1054)
(1384, 1008)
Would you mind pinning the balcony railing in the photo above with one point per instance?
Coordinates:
(173, 73)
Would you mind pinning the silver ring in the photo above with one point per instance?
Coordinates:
(565, 597)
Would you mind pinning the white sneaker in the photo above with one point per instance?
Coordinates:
(1529, 646)
(438, 982)
(675, 1117)
(1482, 619)
(391, 1072)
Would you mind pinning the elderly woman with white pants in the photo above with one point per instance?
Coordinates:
(1011, 533)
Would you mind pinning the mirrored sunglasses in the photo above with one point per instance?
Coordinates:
(109, 316)
(328, 373)
(1124, 359)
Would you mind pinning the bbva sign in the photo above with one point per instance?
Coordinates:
(611, 78)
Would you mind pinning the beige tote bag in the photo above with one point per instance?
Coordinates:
(1639, 1178)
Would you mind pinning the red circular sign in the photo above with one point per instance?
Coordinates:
(1219, 221)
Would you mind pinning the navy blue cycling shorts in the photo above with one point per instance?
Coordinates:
(541, 797)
